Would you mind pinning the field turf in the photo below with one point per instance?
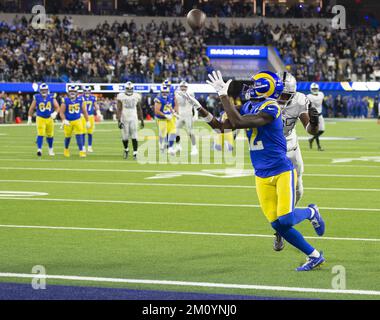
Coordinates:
(105, 218)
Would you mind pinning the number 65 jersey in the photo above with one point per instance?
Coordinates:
(290, 115)
(73, 108)
(267, 144)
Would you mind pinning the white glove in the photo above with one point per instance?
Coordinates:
(29, 120)
(88, 124)
(216, 80)
(169, 116)
(54, 115)
(66, 122)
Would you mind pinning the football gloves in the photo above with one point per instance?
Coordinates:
(120, 125)
(54, 115)
(66, 122)
(88, 124)
(217, 82)
(29, 120)
(313, 116)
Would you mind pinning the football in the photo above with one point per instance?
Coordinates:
(196, 19)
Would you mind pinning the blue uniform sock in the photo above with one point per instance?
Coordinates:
(79, 138)
(295, 217)
(67, 142)
(40, 140)
(294, 237)
(84, 139)
(90, 140)
(50, 141)
(172, 138)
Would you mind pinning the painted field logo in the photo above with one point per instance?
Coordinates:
(20, 194)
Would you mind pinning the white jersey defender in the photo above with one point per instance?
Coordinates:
(316, 99)
(293, 107)
(129, 116)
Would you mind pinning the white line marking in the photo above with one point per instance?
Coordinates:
(176, 172)
(224, 186)
(194, 204)
(21, 193)
(191, 284)
(217, 234)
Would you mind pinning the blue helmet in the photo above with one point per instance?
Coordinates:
(266, 84)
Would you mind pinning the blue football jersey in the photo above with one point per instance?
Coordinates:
(167, 105)
(73, 108)
(44, 106)
(90, 104)
(267, 144)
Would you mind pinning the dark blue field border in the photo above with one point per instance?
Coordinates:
(20, 291)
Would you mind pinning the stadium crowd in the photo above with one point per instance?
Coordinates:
(118, 52)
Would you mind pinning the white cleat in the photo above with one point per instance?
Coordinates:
(51, 153)
(90, 150)
(194, 151)
(171, 151)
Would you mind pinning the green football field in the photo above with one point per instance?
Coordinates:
(108, 222)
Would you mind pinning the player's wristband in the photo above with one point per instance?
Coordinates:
(208, 118)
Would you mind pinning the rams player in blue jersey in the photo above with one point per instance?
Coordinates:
(92, 107)
(165, 110)
(47, 108)
(275, 176)
(71, 111)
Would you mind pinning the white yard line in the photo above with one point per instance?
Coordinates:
(216, 234)
(191, 284)
(173, 171)
(189, 185)
(194, 204)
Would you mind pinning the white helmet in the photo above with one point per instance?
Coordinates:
(183, 84)
(129, 88)
(314, 88)
(290, 86)
(87, 90)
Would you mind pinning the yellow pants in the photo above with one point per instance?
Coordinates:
(92, 122)
(222, 138)
(45, 127)
(277, 194)
(75, 127)
(166, 127)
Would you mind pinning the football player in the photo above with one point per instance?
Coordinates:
(316, 98)
(129, 111)
(186, 116)
(71, 111)
(47, 108)
(295, 106)
(165, 110)
(92, 107)
(275, 175)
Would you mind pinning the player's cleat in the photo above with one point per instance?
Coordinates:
(178, 148)
(312, 263)
(194, 151)
(321, 149)
(317, 221)
(66, 153)
(126, 153)
(311, 143)
(89, 149)
(82, 154)
(171, 151)
(278, 243)
(39, 153)
(51, 153)
(135, 155)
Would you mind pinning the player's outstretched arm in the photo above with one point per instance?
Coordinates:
(32, 108)
(236, 120)
(310, 120)
(207, 116)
